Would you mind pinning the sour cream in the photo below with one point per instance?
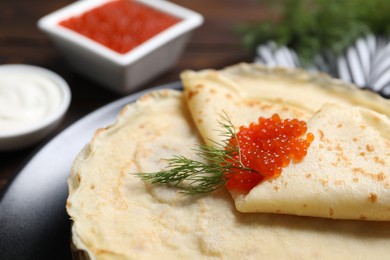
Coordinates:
(28, 97)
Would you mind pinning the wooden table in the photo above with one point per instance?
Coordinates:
(215, 45)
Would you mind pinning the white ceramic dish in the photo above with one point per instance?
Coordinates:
(122, 73)
(19, 130)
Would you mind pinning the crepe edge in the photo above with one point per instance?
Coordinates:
(79, 249)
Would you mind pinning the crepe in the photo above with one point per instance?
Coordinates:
(117, 216)
(248, 91)
(346, 174)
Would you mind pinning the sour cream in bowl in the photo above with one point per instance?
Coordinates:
(33, 100)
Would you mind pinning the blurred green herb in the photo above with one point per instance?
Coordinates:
(311, 27)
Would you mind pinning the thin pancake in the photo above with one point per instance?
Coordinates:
(117, 216)
(345, 175)
(339, 178)
(248, 91)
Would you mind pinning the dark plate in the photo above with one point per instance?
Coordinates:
(33, 220)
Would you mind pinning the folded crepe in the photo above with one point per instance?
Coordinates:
(118, 216)
(346, 173)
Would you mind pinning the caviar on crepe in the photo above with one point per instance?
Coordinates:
(254, 154)
(267, 147)
(120, 25)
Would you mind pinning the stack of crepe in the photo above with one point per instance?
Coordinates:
(333, 204)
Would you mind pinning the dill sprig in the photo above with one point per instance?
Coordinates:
(203, 176)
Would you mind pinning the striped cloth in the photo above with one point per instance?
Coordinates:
(366, 63)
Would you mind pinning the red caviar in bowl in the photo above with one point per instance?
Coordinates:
(266, 147)
(120, 25)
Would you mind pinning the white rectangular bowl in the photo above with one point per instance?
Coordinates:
(122, 73)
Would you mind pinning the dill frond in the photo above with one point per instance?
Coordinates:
(193, 177)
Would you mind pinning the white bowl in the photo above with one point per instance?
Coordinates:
(33, 100)
(122, 73)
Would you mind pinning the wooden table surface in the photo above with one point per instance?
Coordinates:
(214, 45)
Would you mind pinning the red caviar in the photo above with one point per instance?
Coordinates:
(267, 147)
(120, 25)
